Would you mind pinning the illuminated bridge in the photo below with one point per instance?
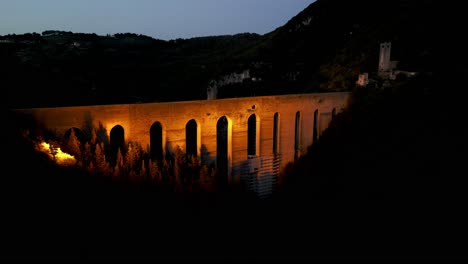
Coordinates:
(238, 135)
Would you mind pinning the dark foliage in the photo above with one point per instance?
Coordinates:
(391, 164)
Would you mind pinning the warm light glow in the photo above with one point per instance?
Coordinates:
(61, 157)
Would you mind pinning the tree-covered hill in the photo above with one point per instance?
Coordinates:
(323, 48)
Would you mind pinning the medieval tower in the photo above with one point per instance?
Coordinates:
(384, 58)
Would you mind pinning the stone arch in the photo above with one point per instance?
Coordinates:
(315, 132)
(192, 138)
(157, 141)
(253, 136)
(117, 141)
(276, 133)
(297, 135)
(223, 148)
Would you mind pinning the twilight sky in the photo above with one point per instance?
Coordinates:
(162, 19)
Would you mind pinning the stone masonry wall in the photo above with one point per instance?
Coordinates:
(136, 119)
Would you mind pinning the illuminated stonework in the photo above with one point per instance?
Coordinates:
(57, 155)
(316, 111)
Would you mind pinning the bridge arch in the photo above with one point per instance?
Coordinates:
(253, 136)
(157, 141)
(297, 135)
(117, 141)
(223, 149)
(276, 133)
(315, 131)
(192, 138)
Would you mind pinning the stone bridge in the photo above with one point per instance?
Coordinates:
(226, 132)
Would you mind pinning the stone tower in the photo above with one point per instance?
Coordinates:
(384, 58)
(212, 90)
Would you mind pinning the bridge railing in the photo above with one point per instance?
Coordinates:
(259, 175)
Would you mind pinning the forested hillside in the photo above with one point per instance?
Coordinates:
(323, 48)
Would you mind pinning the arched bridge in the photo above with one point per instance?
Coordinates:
(228, 132)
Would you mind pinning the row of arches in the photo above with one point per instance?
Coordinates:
(298, 132)
(223, 138)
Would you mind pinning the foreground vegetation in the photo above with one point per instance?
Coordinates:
(385, 171)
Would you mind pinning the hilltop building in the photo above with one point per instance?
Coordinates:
(363, 79)
(386, 66)
(387, 69)
(212, 90)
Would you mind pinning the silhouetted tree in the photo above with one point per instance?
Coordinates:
(143, 169)
(155, 173)
(119, 165)
(101, 163)
(132, 157)
(73, 145)
(87, 155)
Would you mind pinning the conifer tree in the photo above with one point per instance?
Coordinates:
(73, 146)
(155, 174)
(100, 159)
(178, 166)
(93, 136)
(119, 161)
(119, 165)
(116, 172)
(87, 154)
(166, 171)
(204, 176)
(91, 169)
(131, 157)
(143, 169)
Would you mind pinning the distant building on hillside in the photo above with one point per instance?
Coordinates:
(212, 91)
(363, 79)
(388, 68)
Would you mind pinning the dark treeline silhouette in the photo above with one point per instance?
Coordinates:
(388, 168)
(323, 48)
